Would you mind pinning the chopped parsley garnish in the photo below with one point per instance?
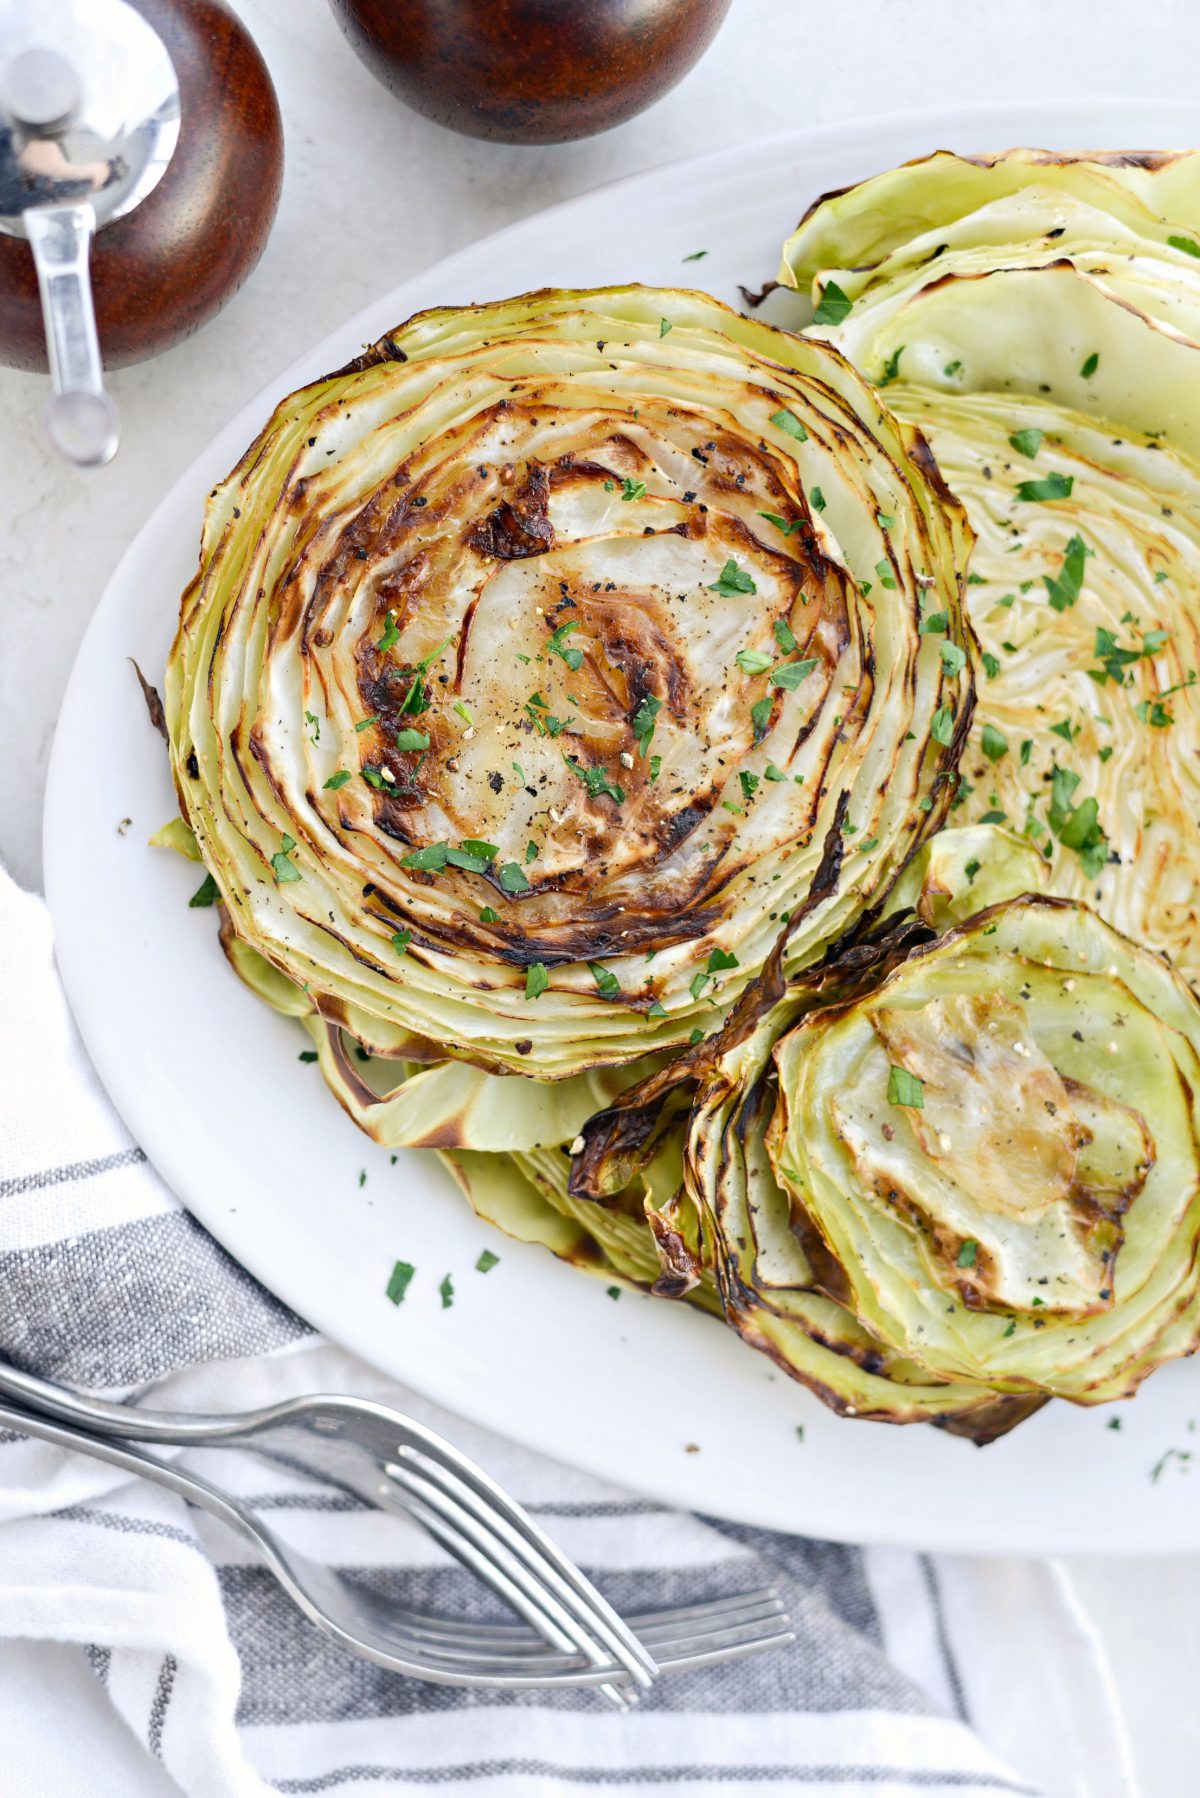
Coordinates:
(312, 719)
(790, 674)
(942, 728)
(664, 325)
(1065, 729)
(285, 871)
(967, 1253)
(308, 1055)
(749, 784)
(787, 421)
(954, 659)
(512, 879)
(407, 740)
(720, 960)
(1090, 365)
(891, 368)
(905, 1089)
(972, 868)
(596, 781)
(486, 1262)
(1051, 486)
(991, 665)
(558, 645)
(207, 893)
(732, 581)
(548, 723)
(375, 777)
(934, 624)
(390, 636)
(475, 860)
(1188, 245)
(401, 940)
(429, 860)
(644, 720)
(366, 723)
(760, 716)
(1027, 443)
(1077, 827)
(655, 767)
(536, 980)
(817, 500)
(771, 772)
(488, 916)
(337, 780)
(834, 306)
(782, 524)
(463, 711)
(951, 369)
(753, 661)
(993, 743)
(399, 1281)
(1153, 711)
(697, 254)
(1063, 588)
(1113, 658)
(784, 636)
(446, 1289)
(531, 850)
(886, 577)
(634, 489)
(607, 984)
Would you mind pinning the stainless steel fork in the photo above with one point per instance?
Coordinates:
(388, 1460)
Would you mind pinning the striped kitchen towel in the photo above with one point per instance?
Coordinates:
(143, 1651)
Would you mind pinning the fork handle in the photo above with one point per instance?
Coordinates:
(102, 1417)
(124, 1455)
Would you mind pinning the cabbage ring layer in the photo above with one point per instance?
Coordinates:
(993, 1157)
(545, 662)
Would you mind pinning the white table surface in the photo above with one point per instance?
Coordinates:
(372, 193)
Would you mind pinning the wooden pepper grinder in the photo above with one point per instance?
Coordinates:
(141, 156)
(530, 71)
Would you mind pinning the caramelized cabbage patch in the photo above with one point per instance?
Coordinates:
(1039, 317)
(545, 662)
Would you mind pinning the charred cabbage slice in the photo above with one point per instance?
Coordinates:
(1039, 318)
(996, 1153)
(732, 1220)
(1087, 609)
(542, 661)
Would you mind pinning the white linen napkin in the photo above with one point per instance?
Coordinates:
(143, 1651)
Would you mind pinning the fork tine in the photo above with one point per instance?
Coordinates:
(470, 1538)
(736, 1649)
(447, 1464)
(736, 1634)
(670, 1628)
(542, 1556)
(480, 1551)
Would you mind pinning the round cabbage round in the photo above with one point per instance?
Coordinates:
(1039, 318)
(544, 662)
(995, 1154)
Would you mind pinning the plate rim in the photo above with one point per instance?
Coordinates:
(937, 123)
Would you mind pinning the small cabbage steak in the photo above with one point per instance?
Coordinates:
(538, 666)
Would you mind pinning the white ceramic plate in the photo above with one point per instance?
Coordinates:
(646, 1393)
